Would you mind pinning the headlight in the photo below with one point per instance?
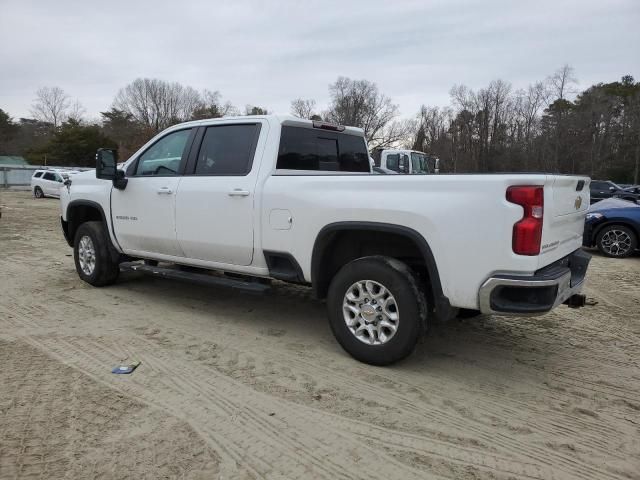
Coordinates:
(594, 216)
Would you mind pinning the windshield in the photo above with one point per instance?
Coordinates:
(419, 163)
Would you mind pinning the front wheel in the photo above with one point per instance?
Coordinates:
(617, 241)
(92, 257)
(377, 310)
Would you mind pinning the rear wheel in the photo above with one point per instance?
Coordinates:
(92, 257)
(38, 193)
(617, 241)
(377, 311)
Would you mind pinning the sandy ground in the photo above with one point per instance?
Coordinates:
(237, 386)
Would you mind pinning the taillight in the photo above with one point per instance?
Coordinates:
(527, 233)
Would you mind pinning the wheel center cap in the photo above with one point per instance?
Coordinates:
(368, 312)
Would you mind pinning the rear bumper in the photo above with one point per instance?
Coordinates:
(536, 294)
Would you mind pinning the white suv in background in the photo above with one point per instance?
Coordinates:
(47, 183)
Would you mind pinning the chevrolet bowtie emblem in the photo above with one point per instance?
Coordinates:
(578, 203)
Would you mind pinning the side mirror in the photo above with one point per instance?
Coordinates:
(107, 168)
(106, 163)
(612, 189)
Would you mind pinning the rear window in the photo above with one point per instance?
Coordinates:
(227, 150)
(321, 150)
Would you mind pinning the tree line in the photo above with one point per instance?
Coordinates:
(548, 126)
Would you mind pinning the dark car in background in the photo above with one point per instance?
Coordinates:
(632, 190)
(601, 189)
(613, 225)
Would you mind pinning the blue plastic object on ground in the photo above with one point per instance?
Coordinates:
(125, 369)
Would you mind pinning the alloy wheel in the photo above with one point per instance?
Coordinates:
(371, 312)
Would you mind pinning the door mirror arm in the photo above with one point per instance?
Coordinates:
(120, 180)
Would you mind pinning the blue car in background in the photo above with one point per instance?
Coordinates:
(613, 225)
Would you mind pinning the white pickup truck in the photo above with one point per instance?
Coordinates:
(239, 201)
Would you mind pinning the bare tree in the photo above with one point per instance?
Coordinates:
(50, 105)
(560, 85)
(561, 82)
(211, 106)
(528, 105)
(76, 111)
(214, 101)
(500, 92)
(157, 104)
(303, 108)
(359, 103)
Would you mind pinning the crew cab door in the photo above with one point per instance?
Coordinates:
(216, 197)
(143, 214)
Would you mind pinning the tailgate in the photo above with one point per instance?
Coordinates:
(566, 200)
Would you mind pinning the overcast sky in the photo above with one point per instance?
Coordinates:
(267, 53)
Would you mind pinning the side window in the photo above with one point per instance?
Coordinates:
(354, 156)
(404, 163)
(392, 162)
(598, 186)
(227, 150)
(164, 156)
(310, 149)
(49, 176)
(38, 174)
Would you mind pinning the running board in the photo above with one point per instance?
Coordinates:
(195, 277)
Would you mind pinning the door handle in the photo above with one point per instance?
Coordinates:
(237, 192)
(165, 190)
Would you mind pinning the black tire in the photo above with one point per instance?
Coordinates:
(622, 250)
(400, 281)
(466, 313)
(105, 270)
(38, 193)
